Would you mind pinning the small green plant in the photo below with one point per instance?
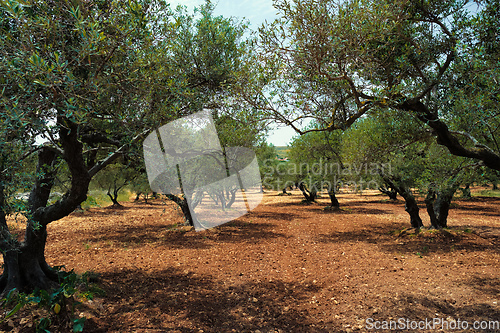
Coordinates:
(90, 202)
(425, 250)
(58, 304)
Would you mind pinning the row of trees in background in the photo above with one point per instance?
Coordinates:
(381, 152)
(409, 83)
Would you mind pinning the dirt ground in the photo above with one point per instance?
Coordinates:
(286, 267)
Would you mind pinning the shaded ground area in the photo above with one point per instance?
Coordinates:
(285, 267)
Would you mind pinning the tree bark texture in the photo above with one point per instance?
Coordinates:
(448, 139)
(25, 267)
(411, 206)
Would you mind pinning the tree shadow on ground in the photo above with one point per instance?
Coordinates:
(271, 215)
(176, 301)
(446, 312)
(478, 210)
(486, 284)
(369, 233)
(102, 212)
(352, 210)
(393, 239)
(363, 201)
(317, 207)
(175, 236)
(477, 205)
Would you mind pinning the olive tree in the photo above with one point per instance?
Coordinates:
(333, 61)
(317, 160)
(82, 82)
(412, 160)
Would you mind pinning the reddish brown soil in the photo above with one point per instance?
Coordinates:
(284, 267)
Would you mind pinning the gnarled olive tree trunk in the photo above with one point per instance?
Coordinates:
(25, 265)
(448, 138)
(411, 206)
(333, 198)
(438, 204)
(183, 205)
(390, 191)
(309, 195)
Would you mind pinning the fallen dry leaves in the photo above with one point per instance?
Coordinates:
(284, 267)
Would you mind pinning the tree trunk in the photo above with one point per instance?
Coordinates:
(429, 204)
(333, 198)
(309, 196)
(25, 267)
(114, 196)
(438, 205)
(411, 206)
(391, 192)
(183, 204)
(412, 209)
(232, 199)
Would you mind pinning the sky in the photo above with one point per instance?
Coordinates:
(256, 12)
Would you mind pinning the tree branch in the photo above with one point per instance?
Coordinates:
(446, 138)
(108, 160)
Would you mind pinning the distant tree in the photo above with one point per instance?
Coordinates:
(114, 178)
(317, 155)
(406, 157)
(279, 175)
(140, 186)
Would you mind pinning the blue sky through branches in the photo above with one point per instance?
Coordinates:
(256, 12)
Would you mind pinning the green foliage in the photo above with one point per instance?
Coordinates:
(238, 130)
(315, 159)
(403, 145)
(266, 157)
(197, 62)
(335, 61)
(90, 202)
(99, 198)
(58, 304)
(114, 68)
